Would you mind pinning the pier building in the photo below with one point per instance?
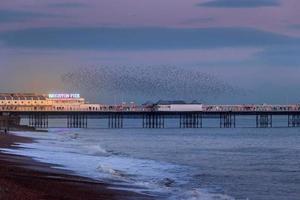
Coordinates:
(45, 102)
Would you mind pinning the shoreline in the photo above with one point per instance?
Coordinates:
(23, 178)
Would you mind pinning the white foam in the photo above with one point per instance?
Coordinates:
(68, 151)
(95, 150)
(200, 194)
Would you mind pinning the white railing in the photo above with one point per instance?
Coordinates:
(205, 108)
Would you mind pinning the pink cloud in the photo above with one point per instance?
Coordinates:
(167, 13)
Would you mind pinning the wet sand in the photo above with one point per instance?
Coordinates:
(22, 178)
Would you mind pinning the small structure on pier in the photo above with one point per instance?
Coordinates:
(177, 106)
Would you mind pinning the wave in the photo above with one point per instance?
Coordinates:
(96, 150)
(108, 169)
(200, 194)
(70, 151)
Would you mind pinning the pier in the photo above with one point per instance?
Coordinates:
(72, 111)
(153, 119)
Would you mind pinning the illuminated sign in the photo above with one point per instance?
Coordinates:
(64, 96)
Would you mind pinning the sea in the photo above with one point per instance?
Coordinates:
(177, 164)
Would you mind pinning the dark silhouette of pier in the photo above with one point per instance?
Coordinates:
(154, 119)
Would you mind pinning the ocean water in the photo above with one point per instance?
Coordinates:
(192, 164)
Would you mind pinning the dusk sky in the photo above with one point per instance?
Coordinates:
(215, 51)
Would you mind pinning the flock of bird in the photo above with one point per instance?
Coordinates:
(149, 82)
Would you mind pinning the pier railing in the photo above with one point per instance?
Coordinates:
(120, 108)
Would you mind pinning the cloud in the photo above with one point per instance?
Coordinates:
(239, 3)
(21, 16)
(287, 56)
(67, 5)
(197, 20)
(142, 38)
(294, 26)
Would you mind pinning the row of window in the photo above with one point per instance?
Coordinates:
(48, 108)
(39, 101)
(22, 98)
(21, 102)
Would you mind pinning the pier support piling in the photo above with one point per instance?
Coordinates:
(190, 120)
(77, 120)
(294, 120)
(152, 120)
(115, 120)
(38, 120)
(264, 121)
(227, 120)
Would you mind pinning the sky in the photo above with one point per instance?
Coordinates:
(213, 51)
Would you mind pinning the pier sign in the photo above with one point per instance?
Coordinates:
(64, 96)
